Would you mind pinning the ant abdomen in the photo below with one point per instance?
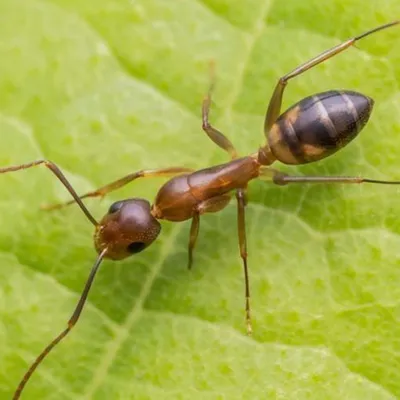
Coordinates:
(318, 126)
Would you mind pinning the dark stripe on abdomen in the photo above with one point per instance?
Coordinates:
(315, 126)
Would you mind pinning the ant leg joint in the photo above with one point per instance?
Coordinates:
(279, 179)
(283, 81)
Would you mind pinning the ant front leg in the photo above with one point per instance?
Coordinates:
(212, 205)
(194, 232)
(275, 103)
(119, 183)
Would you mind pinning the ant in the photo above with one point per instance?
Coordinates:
(312, 129)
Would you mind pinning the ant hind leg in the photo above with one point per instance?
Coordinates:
(275, 102)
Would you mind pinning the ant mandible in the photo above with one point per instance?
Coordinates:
(314, 128)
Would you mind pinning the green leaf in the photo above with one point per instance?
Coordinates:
(105, 88)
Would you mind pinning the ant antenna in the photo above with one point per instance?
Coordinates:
(71, 323)
(60, 176)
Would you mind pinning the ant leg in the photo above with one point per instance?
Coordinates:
(275, 102)
(146, 173)
(281, 178)
(194, 231)
(241, 202)
(71, 323)
(215, 135)
(207, 206)
(57, 172)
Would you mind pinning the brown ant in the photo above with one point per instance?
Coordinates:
(314, 128)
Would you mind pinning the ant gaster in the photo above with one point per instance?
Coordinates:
(314, 128)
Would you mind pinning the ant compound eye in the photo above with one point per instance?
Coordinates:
(115, 206)
(136, 247)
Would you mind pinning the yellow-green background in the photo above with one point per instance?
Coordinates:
(107, 87)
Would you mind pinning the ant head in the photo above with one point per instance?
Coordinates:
(127, 228)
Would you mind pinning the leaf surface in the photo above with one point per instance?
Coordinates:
(105, 88)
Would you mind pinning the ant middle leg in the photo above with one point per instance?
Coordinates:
(214, 134)
(274, 106)
(119, 183)
(241, 203)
